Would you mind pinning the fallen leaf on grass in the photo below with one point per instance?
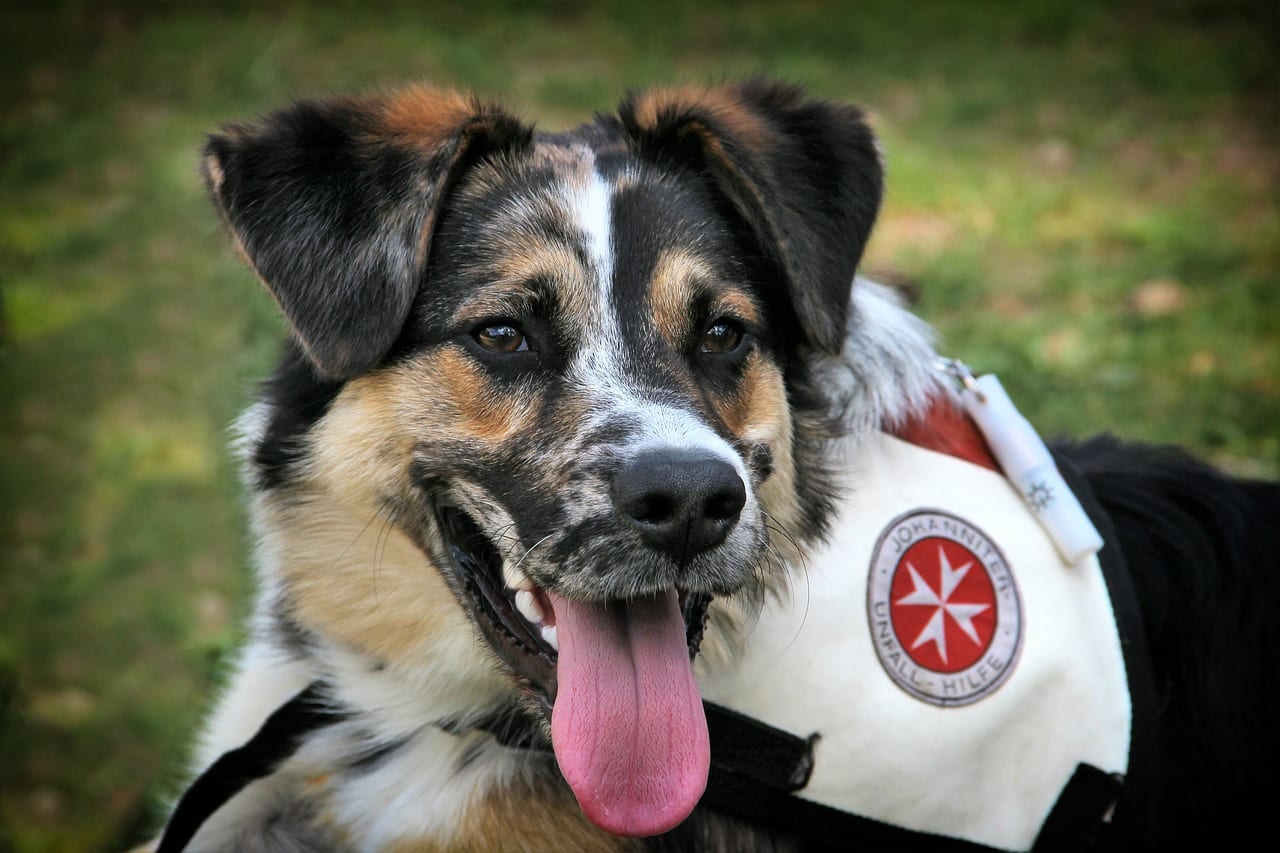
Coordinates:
(67, 707)
(1159, 297)
(1202, 363)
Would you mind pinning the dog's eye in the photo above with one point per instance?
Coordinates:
(502, 337)
(723, 335)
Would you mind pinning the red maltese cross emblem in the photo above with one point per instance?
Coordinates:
(944, 610)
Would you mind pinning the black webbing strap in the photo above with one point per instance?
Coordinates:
(279, 737)
(1076, 821)
(1129, 625)
(755, 770)
(754, 750)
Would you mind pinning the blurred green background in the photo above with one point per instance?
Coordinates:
(1083, 194)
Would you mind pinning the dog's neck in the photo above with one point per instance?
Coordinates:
(885, 377)
(891, 383)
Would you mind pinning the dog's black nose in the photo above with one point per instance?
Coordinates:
(683, 502)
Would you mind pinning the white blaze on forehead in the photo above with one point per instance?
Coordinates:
(599, 367)
(595, 218)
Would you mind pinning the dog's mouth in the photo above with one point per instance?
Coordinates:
(615, 677)
(526, 643)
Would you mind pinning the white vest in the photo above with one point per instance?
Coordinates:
(955, 669)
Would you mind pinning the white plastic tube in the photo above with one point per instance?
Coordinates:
(1030, 467)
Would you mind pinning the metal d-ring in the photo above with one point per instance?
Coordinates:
(959, 371)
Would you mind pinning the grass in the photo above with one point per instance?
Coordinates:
(1083, 193)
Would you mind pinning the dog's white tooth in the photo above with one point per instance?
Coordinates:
(528, 606)
(549, 634)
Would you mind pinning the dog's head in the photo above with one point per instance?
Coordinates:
(566, 368)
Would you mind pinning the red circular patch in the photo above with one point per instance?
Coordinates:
(942, 605)
(943, 608)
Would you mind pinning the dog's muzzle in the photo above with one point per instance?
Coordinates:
(612, 665)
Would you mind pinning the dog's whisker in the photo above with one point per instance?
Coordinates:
(384, 539)
(772, 523)
(529, 551)
(359, 535)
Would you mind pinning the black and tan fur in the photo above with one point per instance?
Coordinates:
(489, 324)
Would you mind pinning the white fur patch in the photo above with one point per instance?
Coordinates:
(886, 372)
(598, 368)
(594, 215)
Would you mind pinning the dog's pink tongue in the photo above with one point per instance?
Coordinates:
(627, 725)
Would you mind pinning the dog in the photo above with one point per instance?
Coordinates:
(563, 418)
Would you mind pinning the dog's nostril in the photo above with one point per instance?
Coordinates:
(652, 509)
(681, 502)
(726, 503)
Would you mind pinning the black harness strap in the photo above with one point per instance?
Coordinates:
(1133, 641)
(755, 770)
(754, 750)
(1083, 807)
(758, 768)
(279, 737)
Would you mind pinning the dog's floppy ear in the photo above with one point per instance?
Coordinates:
(333, 204)
(805, 176)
